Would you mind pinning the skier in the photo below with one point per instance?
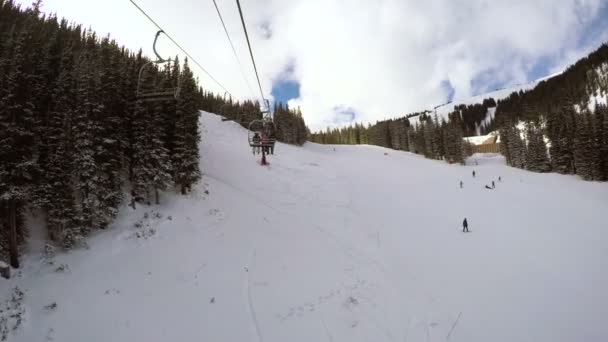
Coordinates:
(499, 179)
(256, 143)
(264, 142)
(493, 185)
(461, 184)
(465, 226)
(473, 173)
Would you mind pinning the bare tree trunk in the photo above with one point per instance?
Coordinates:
(183, 189)
(156, 195)
(13, 248)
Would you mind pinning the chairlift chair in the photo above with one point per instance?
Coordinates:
(166, 94)
(264, 126)
(259, 128)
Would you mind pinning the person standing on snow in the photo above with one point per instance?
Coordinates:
(493, 185)
(461, 184)
(473, 173)
(465, 226)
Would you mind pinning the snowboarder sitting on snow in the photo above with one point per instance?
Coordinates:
(256, 142)
(465, 225)
(489, 187)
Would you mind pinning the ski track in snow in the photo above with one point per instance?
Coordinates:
(254, 317)
(344, 245)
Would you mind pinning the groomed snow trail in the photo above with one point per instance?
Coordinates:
(356, 244)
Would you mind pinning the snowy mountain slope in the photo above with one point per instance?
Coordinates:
(444, 110)
(356, 244)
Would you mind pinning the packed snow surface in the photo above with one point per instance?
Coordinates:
(358, 243)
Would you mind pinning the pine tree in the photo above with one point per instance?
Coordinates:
(186, 156)
(141, 164)
(594, 152)
(159, 159)
(586, 150)
(61, 211)
(109, 129)
(437, 139)
(85, 127)
(536, 152)
(16, 146)
(514, 145)
(429, 130)
(504, 135)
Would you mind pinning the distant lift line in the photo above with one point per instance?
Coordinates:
(180, 47)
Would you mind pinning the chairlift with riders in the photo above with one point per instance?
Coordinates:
(261, 134)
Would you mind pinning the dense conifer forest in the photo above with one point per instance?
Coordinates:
(76, 142)
(555, 127)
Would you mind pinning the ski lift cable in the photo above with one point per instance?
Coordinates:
(264, 101)
(179, 46)
(219, 14)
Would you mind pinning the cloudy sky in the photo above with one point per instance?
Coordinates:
(361, 60)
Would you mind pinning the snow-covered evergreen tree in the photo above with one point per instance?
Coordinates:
(61, 211)
(87, 172)
(185, 157)
(18, 166)
(536, 151)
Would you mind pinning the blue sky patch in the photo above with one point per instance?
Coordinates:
(343, 115)
(447, 86)
(285, 90)
(286, 87)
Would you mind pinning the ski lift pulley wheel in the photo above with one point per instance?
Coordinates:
(165, 94)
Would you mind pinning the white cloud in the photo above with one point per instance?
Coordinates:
(381, 58)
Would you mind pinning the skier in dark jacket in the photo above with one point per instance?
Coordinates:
(493, 185)
(256, 142)
(461, 184)
(465, 225)
(473, 173)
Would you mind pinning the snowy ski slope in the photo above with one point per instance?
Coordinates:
(345, 245)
